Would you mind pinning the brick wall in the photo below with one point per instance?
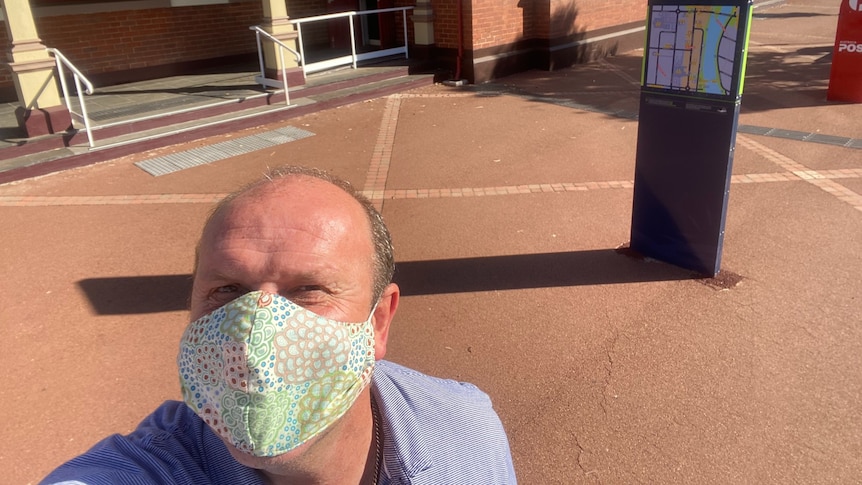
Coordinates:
(501, 22)
(446, 23)
(114, 41)
(108, 42)
(314, 34)
(117, 41)
(599, 14)
(509, 36)
(399, 23)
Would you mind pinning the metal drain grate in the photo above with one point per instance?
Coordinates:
(175, 162)
(841, 141)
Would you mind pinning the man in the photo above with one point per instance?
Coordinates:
(280, 386)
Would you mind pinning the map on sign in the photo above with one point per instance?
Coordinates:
(692, 48)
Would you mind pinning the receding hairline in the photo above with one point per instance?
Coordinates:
(263, 189)
(383, 261)
(266, 187)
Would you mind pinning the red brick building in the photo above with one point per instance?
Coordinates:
(114, 41)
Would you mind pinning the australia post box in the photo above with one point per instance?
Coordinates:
(845, 78)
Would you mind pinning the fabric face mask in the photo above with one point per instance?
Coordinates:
(268, 375)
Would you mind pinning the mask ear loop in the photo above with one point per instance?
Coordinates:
(373, 309)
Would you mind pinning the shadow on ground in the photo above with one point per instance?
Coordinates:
(773, 80)
(127, 295)
(544, 270)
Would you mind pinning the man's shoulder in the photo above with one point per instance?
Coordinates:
(427, 404)
(440, 430)
(394, 377)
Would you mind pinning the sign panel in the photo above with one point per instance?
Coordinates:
(692, 50)
(691, 86)
(682, 181)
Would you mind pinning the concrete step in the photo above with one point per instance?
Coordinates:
(200, 122)
(39, 157)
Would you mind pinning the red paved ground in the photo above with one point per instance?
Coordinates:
(604, 369)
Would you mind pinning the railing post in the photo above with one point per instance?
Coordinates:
(404, 19)
(284, 76)
(63, 86)
(279, 47)
(301, 50)
(60, 60)
(84, 112)
(352, 38)
(260, 55)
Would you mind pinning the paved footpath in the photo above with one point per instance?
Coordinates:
(507, 203)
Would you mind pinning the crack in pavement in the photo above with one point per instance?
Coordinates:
(609, 367)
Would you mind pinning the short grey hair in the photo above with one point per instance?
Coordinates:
(384, 255)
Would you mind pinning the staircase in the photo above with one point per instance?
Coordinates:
(140, 116)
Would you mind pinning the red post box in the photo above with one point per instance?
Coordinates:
(845, 79)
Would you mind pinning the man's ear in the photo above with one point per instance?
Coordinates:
(383, 317)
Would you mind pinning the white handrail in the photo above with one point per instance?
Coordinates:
(262, 79)
(305, 20)
(353, 57)
(61, 60)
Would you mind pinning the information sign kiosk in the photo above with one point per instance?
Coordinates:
(691, 87)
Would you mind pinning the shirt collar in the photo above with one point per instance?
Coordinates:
(405, 452)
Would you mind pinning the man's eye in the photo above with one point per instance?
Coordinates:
(307, 295)
(226, 293)
(308, 288)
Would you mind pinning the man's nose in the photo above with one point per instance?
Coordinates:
(268, 287)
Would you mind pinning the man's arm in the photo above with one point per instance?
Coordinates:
(172, 445)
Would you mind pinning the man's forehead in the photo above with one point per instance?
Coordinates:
(298, 195)
(284, 208)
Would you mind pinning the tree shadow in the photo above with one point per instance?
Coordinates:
(789, 78)
(550, 40)
(773, 80)
(779, 80)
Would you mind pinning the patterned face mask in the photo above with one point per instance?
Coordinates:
(268, 375)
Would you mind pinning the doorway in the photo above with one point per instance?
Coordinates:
(370, 23)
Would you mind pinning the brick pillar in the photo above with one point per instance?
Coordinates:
(423, 23)
(276, 22)
(40, 110)
(423, 31)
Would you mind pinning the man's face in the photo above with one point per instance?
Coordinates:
(302, 238)
(310, 242)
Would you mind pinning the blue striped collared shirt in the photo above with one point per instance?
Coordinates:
(436, 432)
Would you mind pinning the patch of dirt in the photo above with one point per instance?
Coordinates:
(724, 280)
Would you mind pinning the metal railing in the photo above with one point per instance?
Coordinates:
(354, 57)
(79, 80)
(281, 47)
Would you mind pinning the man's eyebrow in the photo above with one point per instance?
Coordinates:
(225, 270)
(230, 271)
